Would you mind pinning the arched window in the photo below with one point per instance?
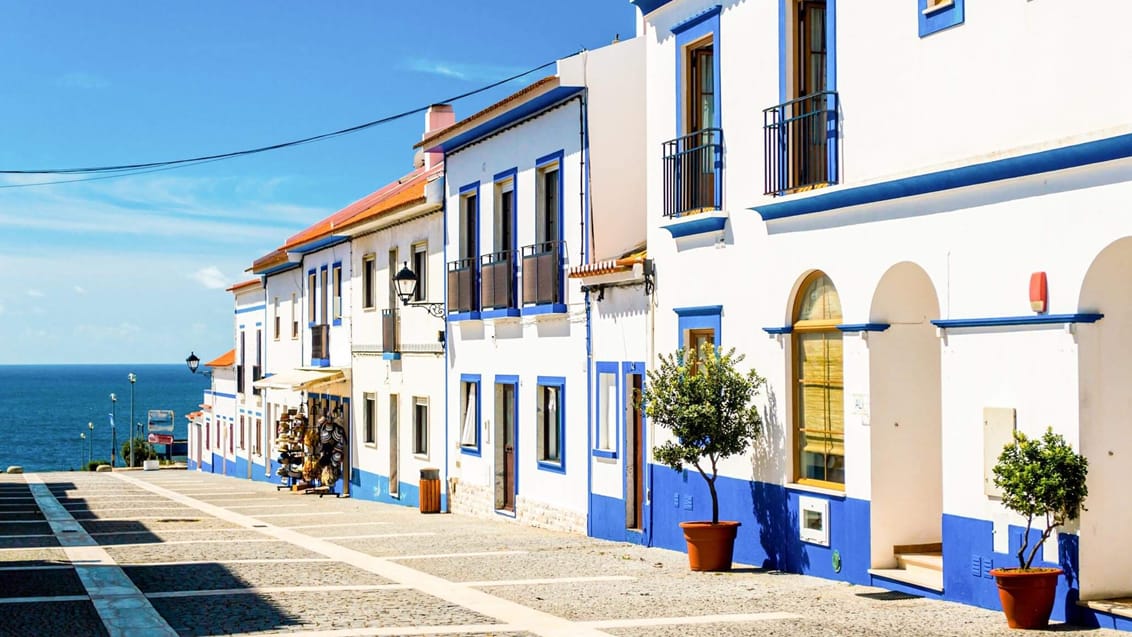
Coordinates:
(819, 405)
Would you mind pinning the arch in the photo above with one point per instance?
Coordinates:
(819, 405)
(1105, 421)
(905, 416)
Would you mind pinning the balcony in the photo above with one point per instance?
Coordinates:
(320, 342)
(542, 277)
(390, 334)
(462, 286)
(693, 173)
(497, 284)
(801, 144)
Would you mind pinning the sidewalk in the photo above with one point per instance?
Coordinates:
(185, 553)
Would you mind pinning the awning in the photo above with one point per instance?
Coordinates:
(300, 379)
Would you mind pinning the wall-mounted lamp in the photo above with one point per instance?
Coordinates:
(406, 284)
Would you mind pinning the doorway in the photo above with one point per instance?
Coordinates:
(634, 453)
(394, 446)
(506, 436)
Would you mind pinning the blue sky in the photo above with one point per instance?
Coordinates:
(133, 269)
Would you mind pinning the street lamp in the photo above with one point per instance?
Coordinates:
(90, 443)
(82, 437)
(133, 379)
(113, 430)
(406, 283)
(193, 362)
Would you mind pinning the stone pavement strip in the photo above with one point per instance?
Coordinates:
(121, 606)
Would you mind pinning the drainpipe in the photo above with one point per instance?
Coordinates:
(446, 496)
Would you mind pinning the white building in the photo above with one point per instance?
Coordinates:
(246, 434)
(857, 201)
(518, 217)
(207, 446)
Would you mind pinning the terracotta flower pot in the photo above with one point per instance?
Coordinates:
(710, 546)
(1026, 595)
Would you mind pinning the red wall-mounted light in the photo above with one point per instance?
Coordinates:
(1039, 292)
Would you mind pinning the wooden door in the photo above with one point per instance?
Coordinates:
(635, 465)
(807, 118)
(394, 445)
(508, 441)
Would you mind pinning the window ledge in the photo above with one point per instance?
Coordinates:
(504, 312)
(391, 356)
(939, 7)
(546, 308)
(471, 451)
(809, 488)
(690, 224)
(604, 453)
(555, 467)
(463, 316)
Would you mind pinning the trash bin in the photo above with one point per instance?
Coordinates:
(430, 490)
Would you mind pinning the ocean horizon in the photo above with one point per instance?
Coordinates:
(45, 408)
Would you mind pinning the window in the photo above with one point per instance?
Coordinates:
(242, 442)
(241, 359)
(937, 15)
(392, 273)
(699, 326)
(276, 320)
(469, 223)
(258, 436)
(369, 402)
(549, 201)
(324, 283)
(470, 413)
(369, 270)
(505, 211)
(696, 341)
(605, 406)
(312, 288)
(294, 315)
(549, 422)
(420, 268)
(336, 281)
(420, 426)
(819, 404)
(257, 369)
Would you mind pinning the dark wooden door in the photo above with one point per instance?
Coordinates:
(635, 468)
(810, 81)
(509, 447)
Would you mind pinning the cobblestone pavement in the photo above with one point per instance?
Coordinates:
(213, 555)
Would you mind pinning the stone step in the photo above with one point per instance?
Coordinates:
(922, 578)
(932, 562)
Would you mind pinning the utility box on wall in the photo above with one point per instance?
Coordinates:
(998, 431)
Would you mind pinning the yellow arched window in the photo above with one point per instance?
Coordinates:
(819, 404)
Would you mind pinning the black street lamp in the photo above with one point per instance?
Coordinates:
(133, 379)
(82, 437)
(113, 430)
(193, 362)
(90, 443)
(406, 284)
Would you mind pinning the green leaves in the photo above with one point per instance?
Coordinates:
(709, 411)
(1041, 477)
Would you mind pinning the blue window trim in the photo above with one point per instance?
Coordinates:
(252, 308)
(560, 383)
(699, 317)
(311, 294)
(471, 189)
(513, 379)
(637, 367)
(320, 362)
(557, 157)
(785, 59)
(618, 419)
(472, 379)
(689, 32)
(337, 265)
(1035, 319)
(938, 19)
(500, 313)
(545, 308)
(512, 175)
(318, 311)
(862, 327)
(456, 317)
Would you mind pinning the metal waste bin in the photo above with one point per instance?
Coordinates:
(430, 490)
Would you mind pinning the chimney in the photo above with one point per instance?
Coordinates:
(437, 117)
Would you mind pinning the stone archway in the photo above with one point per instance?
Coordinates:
(1104, 351)
(905, 417)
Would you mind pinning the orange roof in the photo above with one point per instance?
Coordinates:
(501, 105)
(274, 258)
(226, 359)
(609, 267)
(243, 284)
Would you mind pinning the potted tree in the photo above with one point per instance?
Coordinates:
(706, 403)
(1041, 478)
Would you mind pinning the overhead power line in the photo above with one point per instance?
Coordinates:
(120, 170)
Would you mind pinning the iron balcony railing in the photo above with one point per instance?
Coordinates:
(320, 341)
(542, 273)
(462, 285)
(497, 280)
(801, 149)
(390, 331)
(693, 172)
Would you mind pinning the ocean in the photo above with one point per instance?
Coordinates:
(44, 408)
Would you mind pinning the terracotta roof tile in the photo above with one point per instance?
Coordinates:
(470, 121)
(226, 359)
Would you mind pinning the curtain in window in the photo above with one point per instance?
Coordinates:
(468, 430)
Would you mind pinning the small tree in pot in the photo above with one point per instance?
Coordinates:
(1041, 478)
(706, 403)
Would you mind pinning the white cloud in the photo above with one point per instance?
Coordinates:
(82, 80)
(210, 277)
(80, 289)
(467, 71)
(35, 294)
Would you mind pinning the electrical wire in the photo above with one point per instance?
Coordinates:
(108, 172)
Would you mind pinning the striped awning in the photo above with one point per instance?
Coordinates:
(609, 266)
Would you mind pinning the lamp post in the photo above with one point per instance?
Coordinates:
(133, 379)
(113, 430)
(406, 283)
(82, 437)
(90, 443)
(193, 362)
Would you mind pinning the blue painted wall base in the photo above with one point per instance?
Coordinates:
(607, 521)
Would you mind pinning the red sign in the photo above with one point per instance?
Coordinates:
(160, 439)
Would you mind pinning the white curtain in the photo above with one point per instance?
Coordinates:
(468, 431)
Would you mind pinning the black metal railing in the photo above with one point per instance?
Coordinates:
(320, 341)
(497, 280)
(462, 285)
(801, 143)
(693, 172)
(390, 331)
(542, 273)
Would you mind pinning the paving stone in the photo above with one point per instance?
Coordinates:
(40, 583)
(196, 577)
(199, 521)
(33, 557)
(54, 619)
(175, 535)
(208, 552)
(27, 542)
(21, 528)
